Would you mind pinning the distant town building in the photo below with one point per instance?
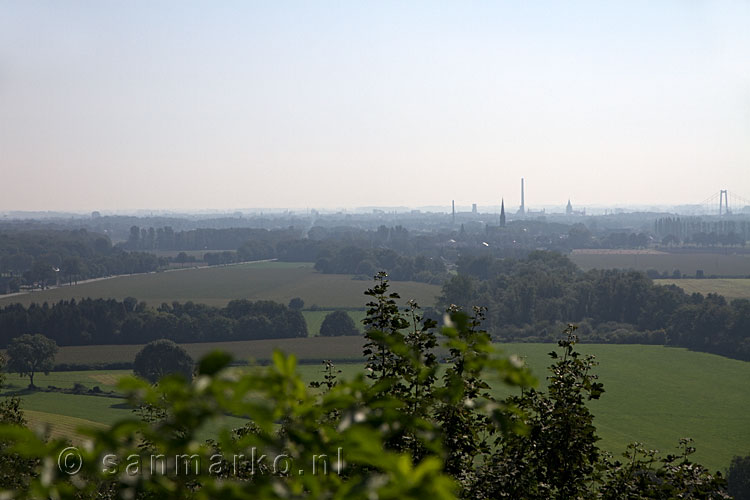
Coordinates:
(569, 210)
(502, 212)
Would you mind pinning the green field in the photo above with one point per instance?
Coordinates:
(279, 281)
(729, 288)
(712, 264)
(657, 394)
(654, 394)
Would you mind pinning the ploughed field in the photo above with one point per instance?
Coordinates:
(653, 394)
(278, 281)
(307, 349)
(712, 264)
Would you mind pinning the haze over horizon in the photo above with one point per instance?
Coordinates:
(189, 105)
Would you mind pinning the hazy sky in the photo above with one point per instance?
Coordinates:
(116, 105)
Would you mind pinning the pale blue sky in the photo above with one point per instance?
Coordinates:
(187, 105)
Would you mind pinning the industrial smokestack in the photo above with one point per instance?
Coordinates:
(453, 205)
(523, 204)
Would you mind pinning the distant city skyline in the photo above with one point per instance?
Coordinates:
(195, 105)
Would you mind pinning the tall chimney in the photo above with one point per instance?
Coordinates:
(453, 205)
(523, 205)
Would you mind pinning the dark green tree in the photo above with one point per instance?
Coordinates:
(162, 357)
(296, 304)
(738, 478)
(72, 267)
(181, 258)
(30, 354)
(338, 324)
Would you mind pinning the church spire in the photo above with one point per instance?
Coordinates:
(502, 213)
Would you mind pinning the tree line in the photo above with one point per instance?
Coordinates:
(367, 262)
(109, 321)
(165, 238)
(49, 257)
(676, 230)
(528, 299)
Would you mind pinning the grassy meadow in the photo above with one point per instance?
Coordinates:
(712, 264)
(729, 288)
(653, 394)
(278, 281)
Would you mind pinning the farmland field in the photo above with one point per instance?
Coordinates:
(279, 281)
(60, 426)
(729, 288)
(311, 348)
(654, 394)
(712, 264)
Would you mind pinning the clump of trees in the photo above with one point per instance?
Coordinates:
(109, 321)
(528, 299)
(49, 257)
(366, 262)
(405, 430)
(162, 357)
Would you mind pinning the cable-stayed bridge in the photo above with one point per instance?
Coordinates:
(724, 202)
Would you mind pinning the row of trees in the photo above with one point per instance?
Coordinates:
(412, 428)
(109, 321)
(674, 230)
(165, 238)
(529, 298)
(29, 355)
(48, 257)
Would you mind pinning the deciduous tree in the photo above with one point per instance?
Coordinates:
(30, 354)
(162, 357)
